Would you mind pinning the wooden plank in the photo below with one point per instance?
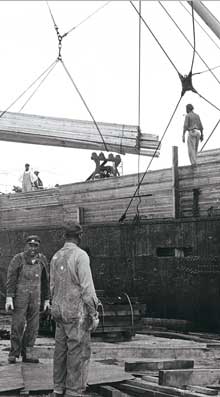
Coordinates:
(52, 131)
(199, 377)
(152, 364)
(151, 390)
(202, 390)
(11, 377)
(109, 391)
(40, 376)
(172, 391)
(175, 183)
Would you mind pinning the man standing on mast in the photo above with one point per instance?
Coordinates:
(194, 126)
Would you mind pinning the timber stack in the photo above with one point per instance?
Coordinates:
(119, 138)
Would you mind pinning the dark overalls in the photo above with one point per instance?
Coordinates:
(27, 299)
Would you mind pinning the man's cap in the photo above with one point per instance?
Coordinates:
(33, 239)
(73, 228)
(27, 164)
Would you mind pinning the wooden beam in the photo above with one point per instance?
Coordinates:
(51, 131)
(199, 377)
(156, 364)
(175, 183)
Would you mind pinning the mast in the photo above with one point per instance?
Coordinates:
(206, 15)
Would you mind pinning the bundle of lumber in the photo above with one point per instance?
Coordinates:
(52, 131)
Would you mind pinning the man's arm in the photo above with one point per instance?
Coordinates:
(185, 126)
(86, 282)
(12, 275)
(45, 279)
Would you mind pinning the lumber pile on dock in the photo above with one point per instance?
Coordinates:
(119, 138)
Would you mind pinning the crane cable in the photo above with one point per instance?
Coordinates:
(144, 174)
(26, 90)
(38, 86)
(139, 110)
(83, 100)
(143, 20)
(194, 51)
(59, 58)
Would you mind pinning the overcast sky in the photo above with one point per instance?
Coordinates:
(101, 55)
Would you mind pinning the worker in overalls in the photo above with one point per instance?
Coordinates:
(27, 278)
(74, 308)
(193, 125)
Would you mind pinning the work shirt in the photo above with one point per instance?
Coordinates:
(71, 284)
(27, 179)
(29, 272)
(192, 121)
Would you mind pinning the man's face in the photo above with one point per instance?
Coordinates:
(32, 249)
(26, 167)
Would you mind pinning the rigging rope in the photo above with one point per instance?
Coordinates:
(24, 92)
(207, 34)
(86, 19)
(157, 148)
(194, 37)
(84, 102)
(139, 107)
(39, 85)
(210, 135)
(189, 42)
(143, 20)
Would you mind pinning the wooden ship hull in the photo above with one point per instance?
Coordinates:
(169, 258)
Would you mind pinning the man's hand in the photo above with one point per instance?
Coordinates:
(94, 322)
(183, 138)
(9, 304)
(201, 137)
(46, 305)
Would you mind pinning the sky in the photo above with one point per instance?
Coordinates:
(102, 56)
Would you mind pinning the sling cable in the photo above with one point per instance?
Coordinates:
(189, 81)
(42, 77)
(186, 81)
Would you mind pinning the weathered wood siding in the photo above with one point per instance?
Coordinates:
(124, 258)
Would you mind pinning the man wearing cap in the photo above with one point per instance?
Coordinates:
(27, 179)
(38, 184)
(27, 278)
(74, 308)
(194, 126)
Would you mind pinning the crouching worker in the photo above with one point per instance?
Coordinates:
(27, 278)
(74, 308)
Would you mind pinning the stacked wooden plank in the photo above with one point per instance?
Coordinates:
(106, 200)
(101, 200)
(52, 131)
(205, 177)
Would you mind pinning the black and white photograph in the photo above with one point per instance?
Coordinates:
(110, 198)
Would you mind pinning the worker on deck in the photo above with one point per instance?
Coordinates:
(194, 126)
(27, 278)
(38, 184)
(27, 179)
(74, 308)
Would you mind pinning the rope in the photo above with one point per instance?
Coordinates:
(207, 34)
(188, 41)
(194, 37)
(84, 102)
(143, 176)
(154, 37)
(41, 82)
(86, 19)
(24, 92)
(139, 108)
(207, 70)
(210, 103)
(210, 135)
